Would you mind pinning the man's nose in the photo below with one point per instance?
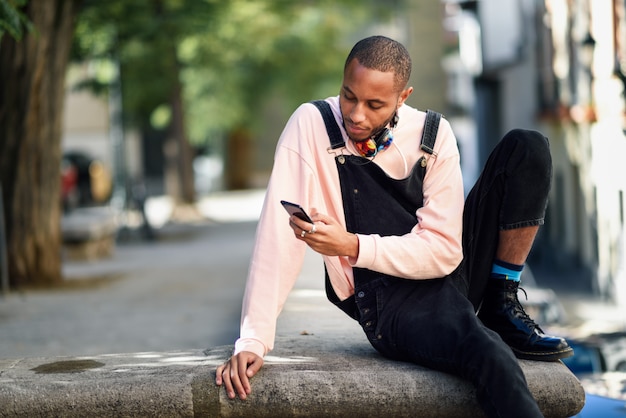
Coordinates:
(358, 113)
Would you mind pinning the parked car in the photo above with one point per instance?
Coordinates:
(598, 353)
(69, 185)
(85, 180)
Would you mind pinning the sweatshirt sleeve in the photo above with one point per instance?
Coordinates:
(277, 256)
(433, 248)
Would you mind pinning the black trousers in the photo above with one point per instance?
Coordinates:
(511, 192)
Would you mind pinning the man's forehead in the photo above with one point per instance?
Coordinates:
(369, 84)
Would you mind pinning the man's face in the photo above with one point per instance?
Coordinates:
(368, 99)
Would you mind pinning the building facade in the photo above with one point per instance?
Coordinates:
(557, 66)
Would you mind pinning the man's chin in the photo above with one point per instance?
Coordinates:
(353, 139)
(357, 135)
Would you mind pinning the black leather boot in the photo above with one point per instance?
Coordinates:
(502, 312)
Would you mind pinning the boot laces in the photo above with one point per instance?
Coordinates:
(521, 313)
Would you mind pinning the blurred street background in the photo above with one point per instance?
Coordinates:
(182, 290)
(137, 138)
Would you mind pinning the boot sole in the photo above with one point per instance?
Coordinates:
(543, 356)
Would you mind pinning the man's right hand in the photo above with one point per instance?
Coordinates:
(235, 374)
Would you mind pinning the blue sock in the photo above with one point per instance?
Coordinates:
(506, 271)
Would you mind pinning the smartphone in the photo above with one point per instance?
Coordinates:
(297, 210)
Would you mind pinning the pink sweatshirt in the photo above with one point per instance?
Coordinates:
(304, 172)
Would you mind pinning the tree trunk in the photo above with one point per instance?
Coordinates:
(32, 91)
(237, 168)
(179, 175)
(185, 152)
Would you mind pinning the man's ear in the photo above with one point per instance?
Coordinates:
(404, 95)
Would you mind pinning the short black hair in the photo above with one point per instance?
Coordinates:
(383, 54)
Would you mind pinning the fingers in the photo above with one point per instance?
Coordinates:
(235, 374)
(302, 229)
(324, 219)
(233, 383)
(218, 375)
(226, 375)
(254, 367)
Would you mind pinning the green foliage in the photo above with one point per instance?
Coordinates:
(141, 37)
(254, 52)
(12, 20)
(229, 55)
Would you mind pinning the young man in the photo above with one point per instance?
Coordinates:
(389, 221)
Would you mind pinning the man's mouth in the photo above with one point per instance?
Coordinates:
(356, 132)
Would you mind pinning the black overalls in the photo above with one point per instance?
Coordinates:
(428, 322)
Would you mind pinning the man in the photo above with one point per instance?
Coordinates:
(402, 256)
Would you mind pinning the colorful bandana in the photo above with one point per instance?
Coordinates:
(369, 149)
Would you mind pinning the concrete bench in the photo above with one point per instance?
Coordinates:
(89, 233)
(306, 376)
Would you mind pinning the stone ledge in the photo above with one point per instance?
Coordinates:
(306, 376)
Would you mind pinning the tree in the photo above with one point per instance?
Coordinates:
(221, 55)
(141, 37)
(211, 64)
(294, 51)
(32, 90)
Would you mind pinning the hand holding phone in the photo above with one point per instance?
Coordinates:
(296, 210)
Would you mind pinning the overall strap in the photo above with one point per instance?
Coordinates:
(429, 135)
(378, 184)
(334, 133)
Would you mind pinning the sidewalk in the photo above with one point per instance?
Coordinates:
(181, 291)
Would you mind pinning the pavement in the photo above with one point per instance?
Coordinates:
(183, 291)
